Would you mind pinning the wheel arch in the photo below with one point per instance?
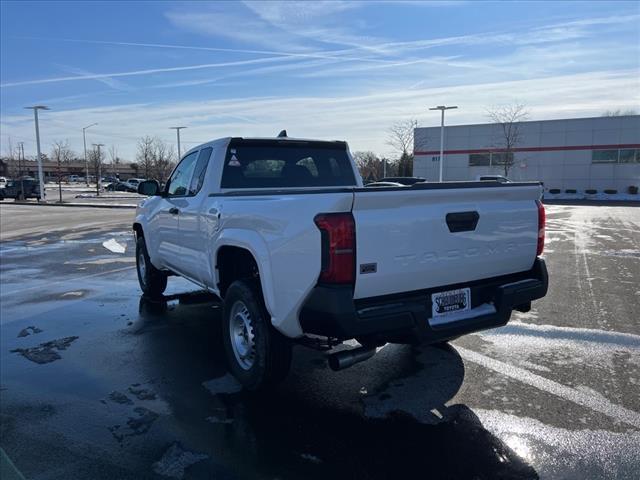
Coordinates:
(138, 230)
(250, 250)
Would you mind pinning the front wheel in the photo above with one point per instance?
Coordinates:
(258, 355)
(152, 281)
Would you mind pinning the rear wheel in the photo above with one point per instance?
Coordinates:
(258, 355)
(152, 281)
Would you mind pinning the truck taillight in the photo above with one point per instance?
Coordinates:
(541, 223)
(338, 247)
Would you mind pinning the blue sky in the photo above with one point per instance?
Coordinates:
(334, 70)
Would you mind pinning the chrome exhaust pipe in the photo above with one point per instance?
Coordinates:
(347, 358)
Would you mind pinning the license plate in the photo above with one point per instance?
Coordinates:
(443, 303)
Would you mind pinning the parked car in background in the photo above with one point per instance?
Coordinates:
(284, 232)
(134, 182)
(493, 178)
(21, 189)
(403, 180)
(3, 182)
(120, 187)
(75, 178)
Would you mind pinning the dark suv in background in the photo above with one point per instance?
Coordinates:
(21, 189)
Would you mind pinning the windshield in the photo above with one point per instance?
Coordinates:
(287, 164)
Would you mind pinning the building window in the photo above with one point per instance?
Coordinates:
(490, 159)
(604, 156)
(627, 155)
(501, 158)
(479, 160)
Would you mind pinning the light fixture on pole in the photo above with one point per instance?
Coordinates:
(86, 162)
(35, 109)
(442, 108)
(98, 169)
(177, 129)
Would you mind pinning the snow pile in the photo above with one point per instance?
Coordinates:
(595, 196)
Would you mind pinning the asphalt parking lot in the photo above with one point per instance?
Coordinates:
(98, 382)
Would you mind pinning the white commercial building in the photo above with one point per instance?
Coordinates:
(601, 153)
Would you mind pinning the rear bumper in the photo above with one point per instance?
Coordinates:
(332, 311)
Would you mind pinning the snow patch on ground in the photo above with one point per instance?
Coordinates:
(596, 196)
(555, 451)
(113, 246)
(176, 460)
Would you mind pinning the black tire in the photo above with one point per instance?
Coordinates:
(270, 353)
(152, 281)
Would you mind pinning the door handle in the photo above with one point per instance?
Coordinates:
(174, 211)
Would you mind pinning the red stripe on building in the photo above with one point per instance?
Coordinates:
(531, 149)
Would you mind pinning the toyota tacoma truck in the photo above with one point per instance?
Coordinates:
(284, 233)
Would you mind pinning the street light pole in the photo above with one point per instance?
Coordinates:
(442, 108)
(98, 169)
(35, 109)
(20, 164)
(86, 162)
(177, 129)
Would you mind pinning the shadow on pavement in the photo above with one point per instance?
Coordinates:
(318, 424)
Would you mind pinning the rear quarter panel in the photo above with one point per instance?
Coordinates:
(280, 232)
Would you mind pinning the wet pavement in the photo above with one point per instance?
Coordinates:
(99, 382)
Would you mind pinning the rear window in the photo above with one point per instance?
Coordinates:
(251, 164)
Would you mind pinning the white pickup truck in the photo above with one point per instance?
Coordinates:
(283, 231)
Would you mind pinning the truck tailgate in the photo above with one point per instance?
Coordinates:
(437, 234)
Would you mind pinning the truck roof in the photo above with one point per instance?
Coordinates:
(262, 140)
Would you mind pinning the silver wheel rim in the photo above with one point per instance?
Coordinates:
(242, 335)
(142, 267)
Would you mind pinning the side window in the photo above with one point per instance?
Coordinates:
(201, 168)
(179, 182)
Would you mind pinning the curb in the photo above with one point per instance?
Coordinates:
(90, 205)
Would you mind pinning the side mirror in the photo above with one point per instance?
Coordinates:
(149, 188)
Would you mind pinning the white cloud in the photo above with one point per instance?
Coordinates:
(149, 71)
(361, 119)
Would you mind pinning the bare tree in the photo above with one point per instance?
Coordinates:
(508, 119)
(370, 166)
(145, 155)
(401, 136)
(619, 113)
(114, 160)
(164, 158)
(12, 155)
(61, 153)
(95, 161)
(401, 139)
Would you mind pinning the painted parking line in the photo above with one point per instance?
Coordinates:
(594, 403)
(75, 279)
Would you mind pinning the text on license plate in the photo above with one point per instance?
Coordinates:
(450, 301)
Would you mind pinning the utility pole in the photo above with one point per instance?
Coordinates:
(86, 161)
(98, 165)
(35, 109)
(20, 164)
(177, 129)
(442, 108)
